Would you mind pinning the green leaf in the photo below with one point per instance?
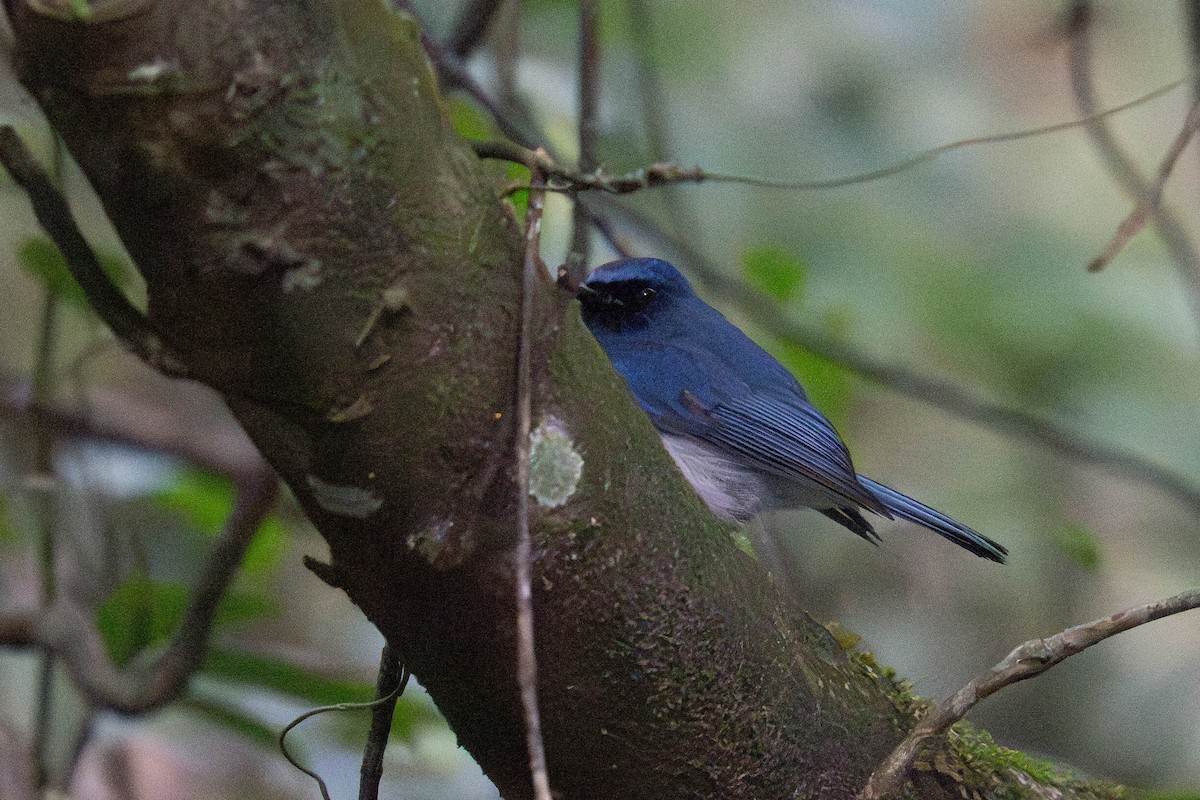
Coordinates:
(775, 272)
(231, 716)
(140, 613)
(80, 10)
(206, 501)
(1080, 545)
(413, 710)
(468, 121)
(7, 532)
(266, 548)
(40, 258)
(270, 672)
(518, 174)
(244, 605)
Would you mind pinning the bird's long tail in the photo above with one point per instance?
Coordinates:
(905, 507)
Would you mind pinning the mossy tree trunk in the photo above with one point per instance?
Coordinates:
(321, 249)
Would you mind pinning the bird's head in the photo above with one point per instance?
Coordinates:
(631, 294)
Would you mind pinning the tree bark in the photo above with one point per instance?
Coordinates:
(321, 249)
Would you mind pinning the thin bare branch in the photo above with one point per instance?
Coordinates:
(560, 178)
(523, 556)
(45, 523)
(255, 498)
(389, 699)
(589, 101)
(1119, 163)
(393, 677)
(117, 418)
(1122, 168)
(507, 47)
(85, 735)
(68, 630)
(654, 104)
(471, 26)
(1178, 144)
(54, 215)
(1151, 204)
(1192, 9)
(958, 400)
(620, 244)
(653, 99)
(1025, 661)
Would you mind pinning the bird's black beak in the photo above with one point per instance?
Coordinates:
(590, 298)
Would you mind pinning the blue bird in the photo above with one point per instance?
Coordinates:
(737, 423)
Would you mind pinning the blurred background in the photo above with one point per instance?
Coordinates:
(969, 268)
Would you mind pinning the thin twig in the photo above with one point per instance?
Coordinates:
(589, 83)
(388, 688)
(561, 178)
(1192, 9)
(452, 73)
(1119, 163)
(85, 734)
(1124, 171)
(960, 401)
(125, 423)
(589, 101)
(471, 26)
(507, 49)
(255, 498)
(46, 522)
(654, 104)
(1150, 205)
(312, 712)
(69, 630)
(523, 556)
(620, 244)
(1025, 661)
(54, 215)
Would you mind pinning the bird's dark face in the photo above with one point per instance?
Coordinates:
(628, 295)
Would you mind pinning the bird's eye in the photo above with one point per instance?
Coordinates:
(642, 298)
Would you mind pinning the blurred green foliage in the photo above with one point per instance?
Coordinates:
(413, 710)
(7, 532)
(783, 277)
(1080, 545)
(206, 501)
(472, 124)
(40, 257)
(284, 677)
(468, 121)
(140, 613)
(774, 272)
(223, 710)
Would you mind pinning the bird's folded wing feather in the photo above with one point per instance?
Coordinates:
(788, 437)
(775, 431)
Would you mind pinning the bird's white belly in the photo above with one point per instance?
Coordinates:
(732, 491)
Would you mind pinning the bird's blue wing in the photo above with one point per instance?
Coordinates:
(782, 434)
(772, 431)
(702, 377)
